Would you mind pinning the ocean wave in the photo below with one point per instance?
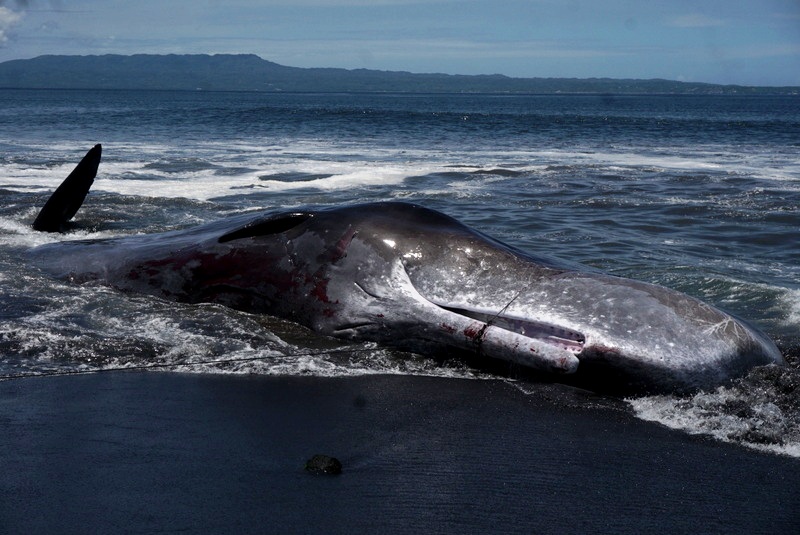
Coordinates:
(759, 411)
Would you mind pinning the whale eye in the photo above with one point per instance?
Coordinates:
(267, 227)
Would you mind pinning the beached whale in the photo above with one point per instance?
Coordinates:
(408, 276)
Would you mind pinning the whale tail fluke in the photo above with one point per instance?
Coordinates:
(65, 201)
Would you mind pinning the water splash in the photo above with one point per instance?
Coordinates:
(759, 411)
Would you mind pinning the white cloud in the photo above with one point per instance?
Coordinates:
(8, 19)
(766, 51)
(695, 20)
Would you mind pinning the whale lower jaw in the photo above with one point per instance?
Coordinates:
(554, 335)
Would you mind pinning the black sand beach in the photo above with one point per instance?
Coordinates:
(164, 452)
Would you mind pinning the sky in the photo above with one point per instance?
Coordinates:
(747, 42)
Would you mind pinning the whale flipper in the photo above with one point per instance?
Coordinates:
(69, 196)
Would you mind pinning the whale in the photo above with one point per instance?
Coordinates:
(411, 277)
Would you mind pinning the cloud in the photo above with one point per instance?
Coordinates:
(8, 19)
(695, 20)
(767, 51)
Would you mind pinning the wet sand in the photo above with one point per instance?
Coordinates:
(145, 452)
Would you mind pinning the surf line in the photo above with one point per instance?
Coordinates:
(165, 365)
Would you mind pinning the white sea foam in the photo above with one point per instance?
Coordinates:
(791, 303)
(141, 178)
(135, 169)
(702, 415)
(90, 328)
(17, 232)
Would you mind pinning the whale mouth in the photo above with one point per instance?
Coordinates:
(553, 335)
(529, 342)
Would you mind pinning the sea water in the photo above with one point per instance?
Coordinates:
(697, 193)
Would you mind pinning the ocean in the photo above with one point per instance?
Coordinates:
(696, 193)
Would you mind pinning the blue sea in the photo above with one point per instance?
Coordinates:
(697, 193)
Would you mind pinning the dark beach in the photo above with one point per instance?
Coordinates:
(166, 452)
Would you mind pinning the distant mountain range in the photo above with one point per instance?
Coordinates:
(248, 72)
